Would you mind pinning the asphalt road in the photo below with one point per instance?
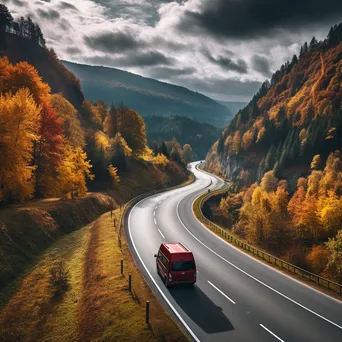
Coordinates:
(236, 297)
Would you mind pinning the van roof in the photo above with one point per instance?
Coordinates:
(176, 247)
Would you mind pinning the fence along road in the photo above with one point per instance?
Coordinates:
(236, 297)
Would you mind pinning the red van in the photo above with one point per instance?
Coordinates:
(175, 264)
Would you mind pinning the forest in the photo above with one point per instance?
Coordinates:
(49, 148)
(187, 131)
(283, 153)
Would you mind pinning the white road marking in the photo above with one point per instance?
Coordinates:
(273, 334)
(155, 283)
(155, 208)
(154, 213)
(252, 277)
(155, 222)
(223, 294)
(161, 233)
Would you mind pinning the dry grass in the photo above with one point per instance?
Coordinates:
(98, 306)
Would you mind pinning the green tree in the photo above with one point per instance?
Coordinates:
(6, 20)
(163, 149)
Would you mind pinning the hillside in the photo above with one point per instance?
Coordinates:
(292, 118)
(199, 135)
(147, 96)
(19, 49)
(283, 151)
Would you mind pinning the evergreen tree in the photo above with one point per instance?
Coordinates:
(313, 43)
(163, 149)
(270, 158)
(220, 145)
(6, 20)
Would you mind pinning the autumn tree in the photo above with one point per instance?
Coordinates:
(48, 150)
(113, 172)
(73, 131)
(19, 122)
(118, 151)
(269, 182)
(187, 154)
(316, 162)
(102, 110)
(160, 159)
(73, 172)
(318, 258)
(129, 124)
(176, 151)
(91, 114)
(24, 75)
(334, 246)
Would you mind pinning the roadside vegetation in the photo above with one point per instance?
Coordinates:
(59, 281)
(282, 151)
(96, 305)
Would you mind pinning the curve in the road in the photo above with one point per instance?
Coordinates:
(236, 297)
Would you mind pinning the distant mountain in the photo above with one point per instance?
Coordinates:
(199, 135)
(233, 107)
(147, 96)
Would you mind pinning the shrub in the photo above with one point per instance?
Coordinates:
(59, 278)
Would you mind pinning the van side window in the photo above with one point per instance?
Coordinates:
(163, 260)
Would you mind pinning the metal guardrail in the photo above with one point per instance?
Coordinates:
(331, 285)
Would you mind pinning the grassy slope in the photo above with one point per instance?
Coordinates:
(97, 307)
(27, 230)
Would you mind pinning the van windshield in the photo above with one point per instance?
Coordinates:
(183, 266)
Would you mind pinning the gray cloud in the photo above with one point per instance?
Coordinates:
(227, 63)
(166, 73)
(49, 14)
(220, 88)
(113, 42)
(261, 64)
(144, 59)
(18, 3)
(254, 18)
(151, 58)
(141, 36)
(67, 5)
(73, 50)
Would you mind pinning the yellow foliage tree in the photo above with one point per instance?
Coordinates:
(24, 75)
(73, 172)
(160, 159)
(73, 131)
(247, 139)
(269, 182)
(19, 122)
(113, 172)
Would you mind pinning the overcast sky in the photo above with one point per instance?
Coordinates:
(222, 48)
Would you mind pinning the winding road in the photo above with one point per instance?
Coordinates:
(236, 297)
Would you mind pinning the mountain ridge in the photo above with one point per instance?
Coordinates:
(146, 95)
